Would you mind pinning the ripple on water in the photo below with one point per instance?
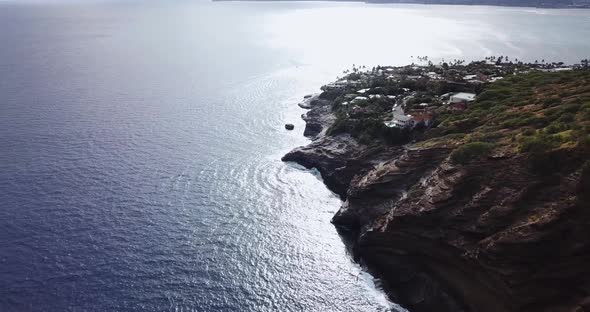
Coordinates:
(152, 194)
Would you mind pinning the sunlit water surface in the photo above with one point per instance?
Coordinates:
(140, 145)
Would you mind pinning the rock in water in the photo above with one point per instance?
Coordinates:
(305, 105)
(289, 126)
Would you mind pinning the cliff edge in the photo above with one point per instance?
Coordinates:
(485, 207)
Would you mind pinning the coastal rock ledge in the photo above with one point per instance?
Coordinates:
(492, 234)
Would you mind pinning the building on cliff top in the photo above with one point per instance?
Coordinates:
(462, 97)
(458, 106)
(424, 119)
(401, 121)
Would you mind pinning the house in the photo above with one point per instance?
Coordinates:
(336, 86)
(462, 97)
(445, 96)
(423, 119)
(401, 121)
(458, 106)
(482, 77)
(433, 75)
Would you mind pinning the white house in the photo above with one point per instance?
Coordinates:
(433, 75)
(401, 121)
(462, 97)
(336, 86)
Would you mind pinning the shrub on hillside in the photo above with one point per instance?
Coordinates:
(551, 101)
(529, 132)
(539, 143)
(556, 127)
(339, 125)
(469, 151)
(354, 76)
(463, 125)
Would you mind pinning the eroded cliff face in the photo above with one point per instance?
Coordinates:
(339, 157)
(501, 237)
(491, 235)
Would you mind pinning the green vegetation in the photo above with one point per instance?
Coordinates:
(365, 121)
(470, 151)
(539, 143)
(529, 113)
(367, 129)
(537, 113)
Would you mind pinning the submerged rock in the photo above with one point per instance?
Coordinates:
(289, 126)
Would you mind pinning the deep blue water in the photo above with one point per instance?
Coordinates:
(140, 146)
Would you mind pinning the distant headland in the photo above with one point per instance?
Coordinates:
(466, 186)
(548, 4)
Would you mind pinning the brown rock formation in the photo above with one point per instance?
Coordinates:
(500, 237)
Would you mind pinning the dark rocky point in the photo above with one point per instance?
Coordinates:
(489, 235)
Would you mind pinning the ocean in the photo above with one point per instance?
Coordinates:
(141, 142)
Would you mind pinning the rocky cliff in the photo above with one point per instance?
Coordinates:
(495, 233)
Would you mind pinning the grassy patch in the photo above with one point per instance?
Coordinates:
(532, 112)
(470, 151)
